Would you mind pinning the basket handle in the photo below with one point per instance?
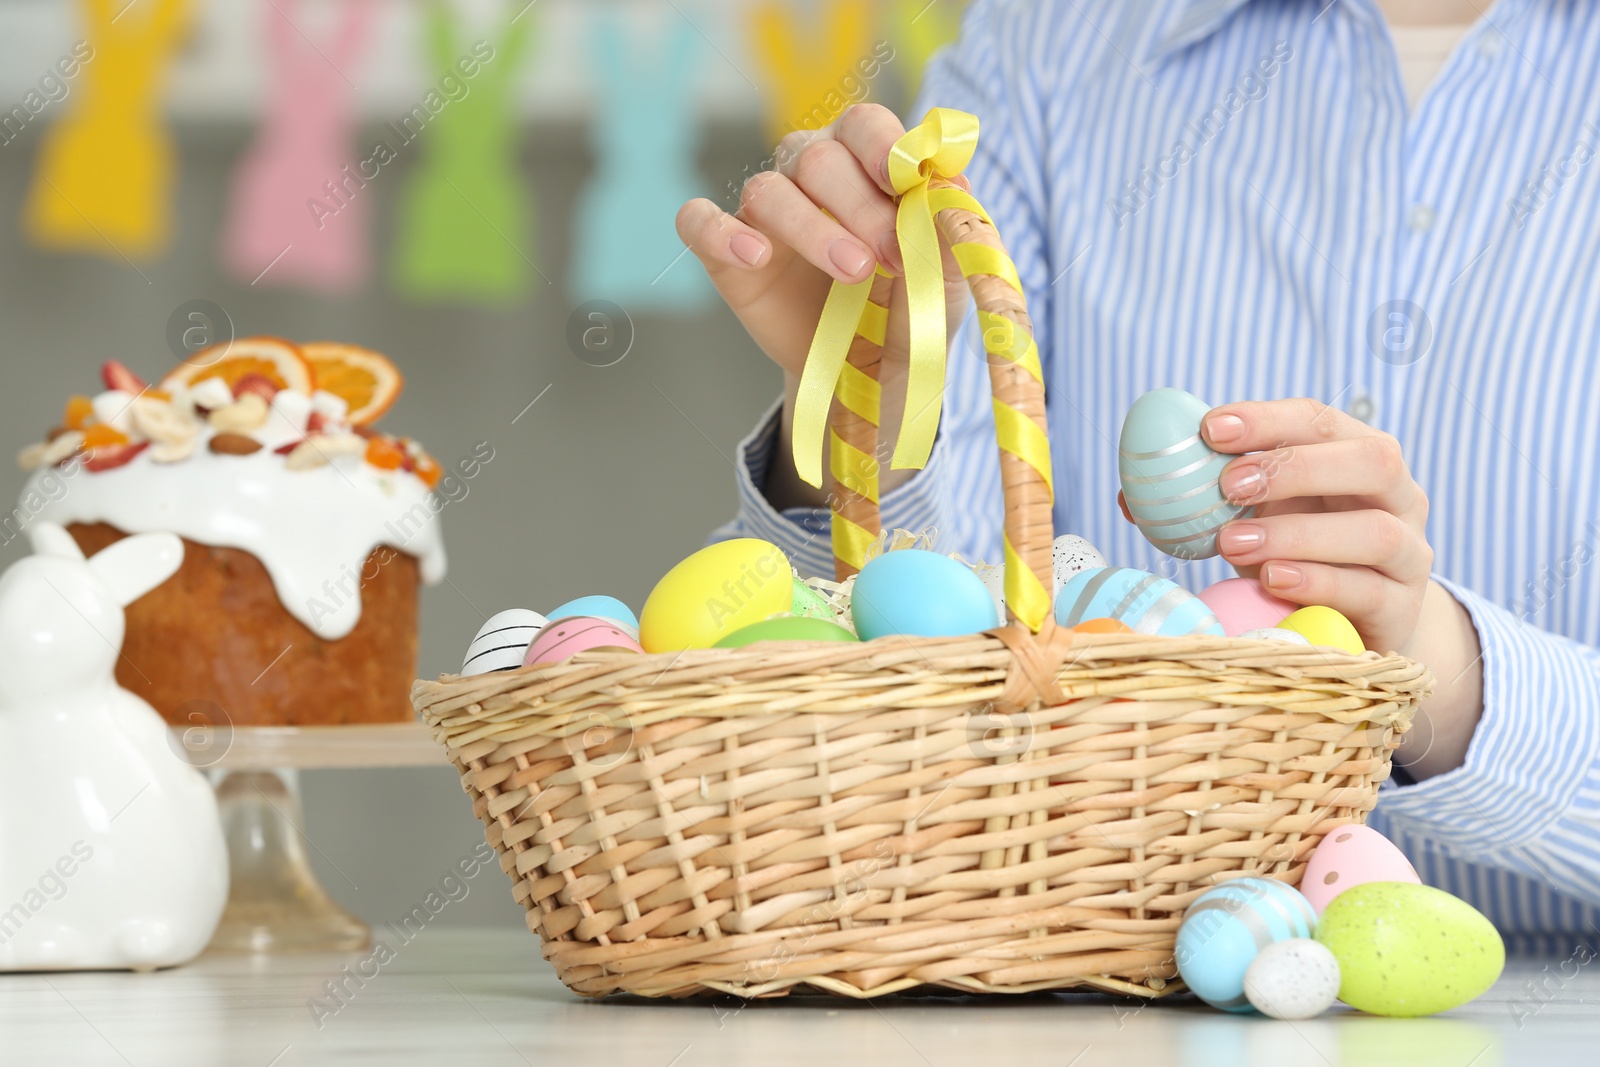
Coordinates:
(1015, 376)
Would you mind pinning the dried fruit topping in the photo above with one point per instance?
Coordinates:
(117, 376)
(259, 384)
(246, 413)
(80, 409)
(102, 436)
(385, 454)
(429, 471)
(105, 458)
(234, 444)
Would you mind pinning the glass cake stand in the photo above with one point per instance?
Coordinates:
(275, 903)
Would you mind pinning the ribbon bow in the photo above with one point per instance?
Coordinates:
(939, 147)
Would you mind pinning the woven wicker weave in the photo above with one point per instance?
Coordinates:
(1004, 812)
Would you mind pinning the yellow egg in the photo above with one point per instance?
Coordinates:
(1324, 626)
(721, 588)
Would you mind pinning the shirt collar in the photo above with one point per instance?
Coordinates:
(1190, 21)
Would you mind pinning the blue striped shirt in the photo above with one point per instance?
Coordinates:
(1234, 198)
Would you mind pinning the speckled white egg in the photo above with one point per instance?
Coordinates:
(1071, 554)
(1274, 633)
(994, 580)
(502, 640)
(1294, 979)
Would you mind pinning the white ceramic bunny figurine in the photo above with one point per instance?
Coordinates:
(111, 853)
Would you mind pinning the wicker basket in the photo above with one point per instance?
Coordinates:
(1006, 812)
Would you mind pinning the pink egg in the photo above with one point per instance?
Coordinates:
(567, 637)
(1240, 604)
(1350, 856)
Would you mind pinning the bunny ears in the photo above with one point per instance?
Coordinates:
(129, 568)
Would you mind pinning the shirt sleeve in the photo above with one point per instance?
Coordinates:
(958, 494)
(1527, 796)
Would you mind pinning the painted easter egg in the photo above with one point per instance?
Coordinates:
(1407, 950)
(564, 638)
(994, 580)
(1071, 554)
(786, 628)
(1224, 929)
(721, 588)
(1102, 626)
(1350, 856)
(1293, 979)
(921, 593)
(1148, 603)
(599, 607)
(502, 640)
(1170, 475)
(1241, 604)
(1273, 633)
(1324, 626)
(808, 603)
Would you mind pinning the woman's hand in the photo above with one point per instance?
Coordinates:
(1341, 522)
(826, 214)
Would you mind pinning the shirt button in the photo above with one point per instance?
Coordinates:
(1362, 408)
(1489, 43)
(1421, 218)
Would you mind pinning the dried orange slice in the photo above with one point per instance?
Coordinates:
(360, 377)
(275, 359)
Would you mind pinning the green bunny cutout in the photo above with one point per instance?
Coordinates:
(465, 227)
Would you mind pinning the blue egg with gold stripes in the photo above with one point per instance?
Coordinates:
(1224, 929)
(1170, 475)
(1148, 603)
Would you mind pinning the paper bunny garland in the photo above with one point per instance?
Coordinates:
(298, 205)
(111, 853)
(626, 248)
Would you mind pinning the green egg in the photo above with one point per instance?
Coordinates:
(1406, 949)
(808, 603)
(786, 628)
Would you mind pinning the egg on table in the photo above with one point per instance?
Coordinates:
(599, 607)
(1170, 476)
(1240, 604)
(721, 588)
(921, 593)
(1349, 856)
(1407, 950)
(1147, 603)
(1224, 929)
(502, 641)
(1293, 979)
(562, 639)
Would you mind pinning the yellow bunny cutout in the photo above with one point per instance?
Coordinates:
(814, 71)
(104, 171)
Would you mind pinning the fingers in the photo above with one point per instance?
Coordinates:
(719, 240)
(1256, 425)
(1373, 539)
(834, 180)
(1374, 604)
(777, 207)
(1371, 466)
(869, 131)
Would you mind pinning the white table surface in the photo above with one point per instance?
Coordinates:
(482, 998)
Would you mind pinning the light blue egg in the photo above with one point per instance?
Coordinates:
(600, 607)
(1224, 929)
(1170, 475)
(1148, 603)
(921, 593)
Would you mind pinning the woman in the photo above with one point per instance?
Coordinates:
(1377, 205)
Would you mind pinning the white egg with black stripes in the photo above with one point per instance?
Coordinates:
(502, 641)
(1171, 477)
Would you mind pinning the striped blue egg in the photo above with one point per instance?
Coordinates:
(600, 607)
(1170, 476)
(1224, 929)
(1148, 603)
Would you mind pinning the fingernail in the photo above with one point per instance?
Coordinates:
(1241, 537)
(849, 257)
(1224, 428)
(747, 248)
(1244, 484)
(1282, 575)
(891, 255)
(883, 173)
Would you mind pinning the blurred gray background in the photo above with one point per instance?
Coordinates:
(600, 487)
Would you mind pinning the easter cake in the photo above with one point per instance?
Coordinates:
(307, 533)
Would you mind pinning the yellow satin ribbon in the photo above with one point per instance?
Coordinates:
(940, 146)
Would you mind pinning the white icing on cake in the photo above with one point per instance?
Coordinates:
(312, 529)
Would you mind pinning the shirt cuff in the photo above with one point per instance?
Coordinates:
(804, 533)
(1534, 746)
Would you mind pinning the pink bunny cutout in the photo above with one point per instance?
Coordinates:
(299, 214)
